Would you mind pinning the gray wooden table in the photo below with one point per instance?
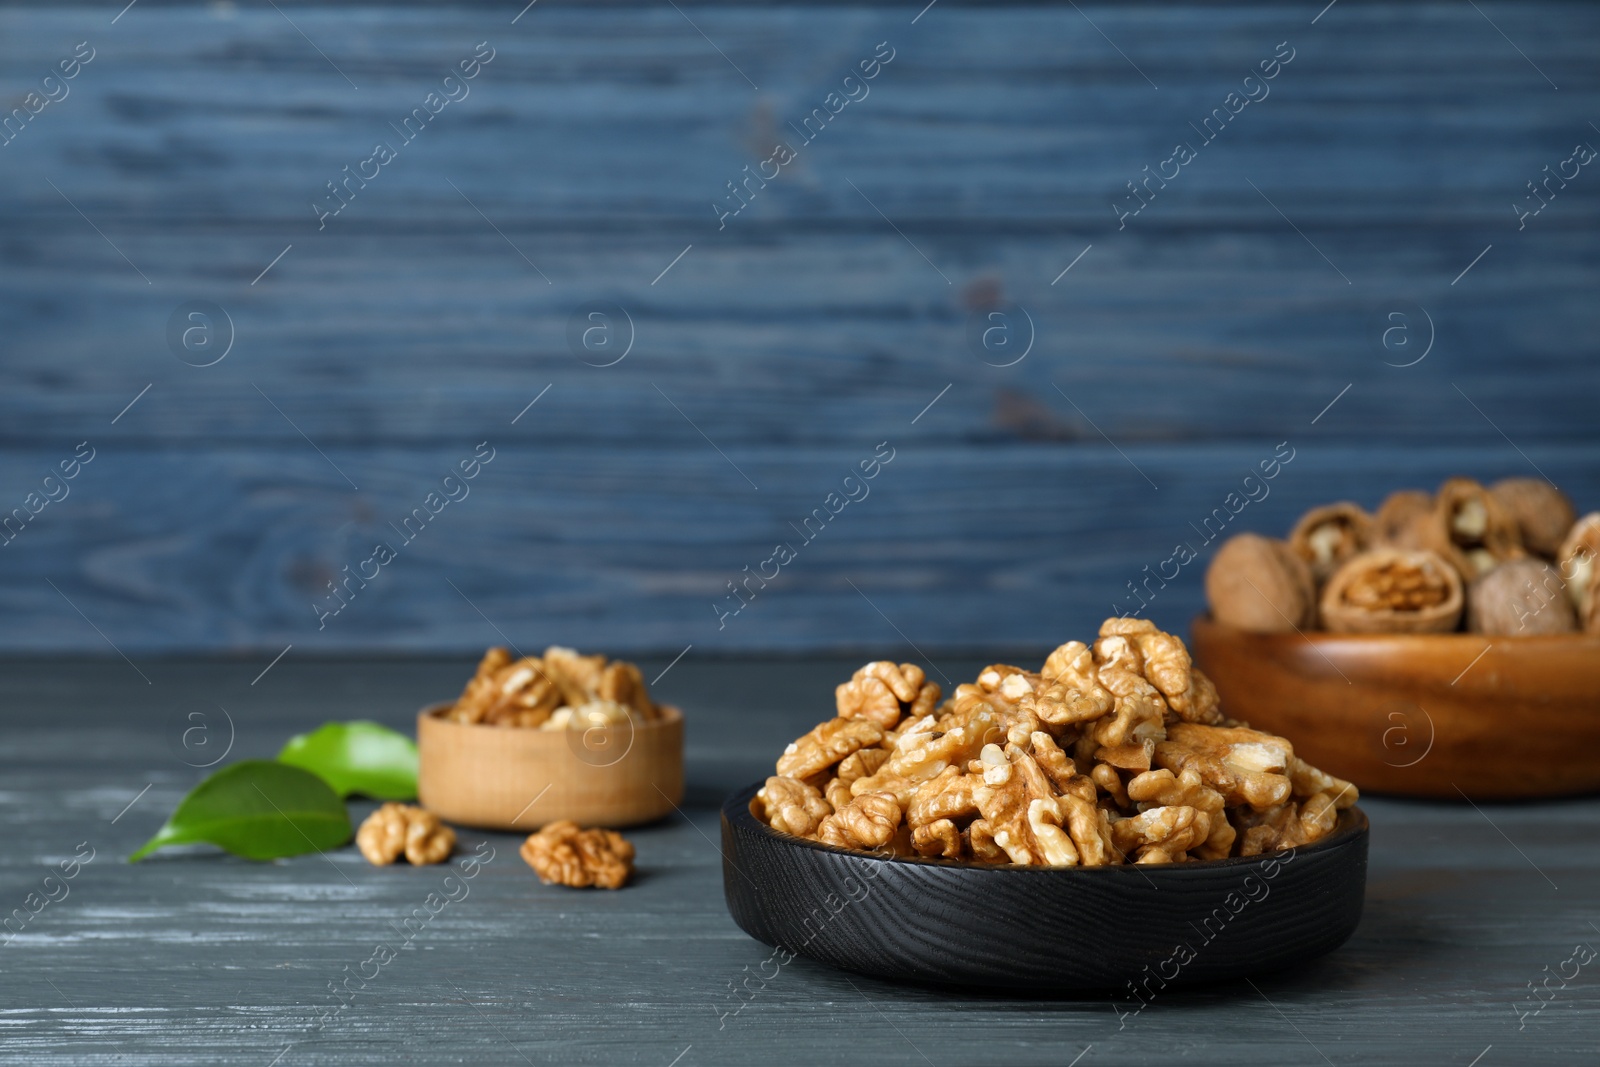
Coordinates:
(196, 957)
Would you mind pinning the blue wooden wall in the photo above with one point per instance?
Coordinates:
(1377, 174)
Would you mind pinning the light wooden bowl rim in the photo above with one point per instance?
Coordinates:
(670, 714)
(1353, 823)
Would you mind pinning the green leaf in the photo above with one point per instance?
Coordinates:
(257, 809)
(357, 757)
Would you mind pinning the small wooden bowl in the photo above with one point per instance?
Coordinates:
(1427, 715)
(1042, 929)
(515, 778)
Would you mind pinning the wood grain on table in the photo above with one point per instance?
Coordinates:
(1246, 305)
(195, 957)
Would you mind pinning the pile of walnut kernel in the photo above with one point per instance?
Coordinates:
(560, 690)
(1108, 755)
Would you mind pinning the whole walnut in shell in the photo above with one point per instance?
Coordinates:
(1541, 511)
(1259, 584)
(1391, 590)
(1394, 524)
(1521, 596)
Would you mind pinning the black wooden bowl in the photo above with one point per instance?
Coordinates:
(1129, 930)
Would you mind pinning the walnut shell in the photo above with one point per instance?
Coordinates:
(1392, 590)
(1471, 529)
(1397, 516)
(1580, 570)
(1327, 536)
(1542, 512)
(1520, 597)
(1259, 584)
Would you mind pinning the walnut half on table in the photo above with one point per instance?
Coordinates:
(1110, 754)
(564, 854)
(396, 830)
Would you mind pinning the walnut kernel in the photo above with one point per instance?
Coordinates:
(563, 854)
(791, 806)
(396, 830)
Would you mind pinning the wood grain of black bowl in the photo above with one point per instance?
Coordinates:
(1056, 930)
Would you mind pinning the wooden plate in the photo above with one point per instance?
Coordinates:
(515, 778)
(1429, 715)
(1071, 929)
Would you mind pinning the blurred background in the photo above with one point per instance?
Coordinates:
(1027, 294)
